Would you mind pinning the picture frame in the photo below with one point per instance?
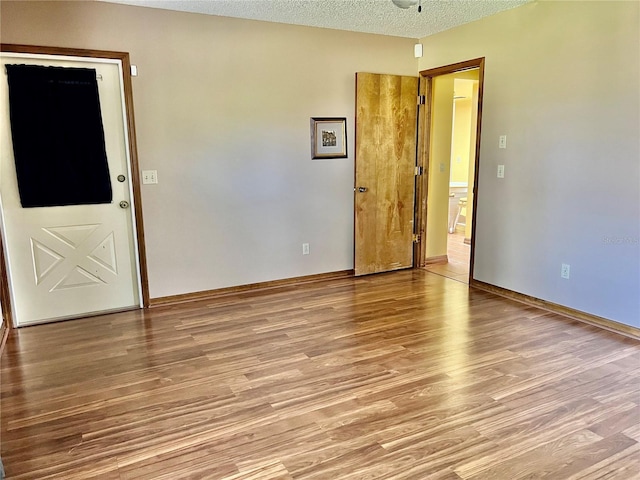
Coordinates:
(328, 137)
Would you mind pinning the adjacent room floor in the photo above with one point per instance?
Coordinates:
(406, 375)
(458, 254)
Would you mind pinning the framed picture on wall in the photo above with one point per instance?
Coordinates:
(328, 138)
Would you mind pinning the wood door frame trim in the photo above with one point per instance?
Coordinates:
(426, 88)
(133, 159)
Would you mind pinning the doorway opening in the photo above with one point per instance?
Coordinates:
(449, 140)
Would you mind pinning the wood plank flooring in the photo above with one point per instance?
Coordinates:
(459, 256)
(407, 375)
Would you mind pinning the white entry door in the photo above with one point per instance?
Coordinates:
(71, 261)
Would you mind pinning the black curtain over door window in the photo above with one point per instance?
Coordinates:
(58, 136)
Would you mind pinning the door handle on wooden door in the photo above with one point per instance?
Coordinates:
(362, 189)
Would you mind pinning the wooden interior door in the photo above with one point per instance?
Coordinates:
(386, 123)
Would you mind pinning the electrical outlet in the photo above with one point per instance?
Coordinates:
(500, 171)
(502, 143)
(149, 177)
(565, 270)
(305, 249)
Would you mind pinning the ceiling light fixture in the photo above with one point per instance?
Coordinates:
(404, 4)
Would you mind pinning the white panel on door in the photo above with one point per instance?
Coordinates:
(44, 260)
(72, 235)
(105, 254)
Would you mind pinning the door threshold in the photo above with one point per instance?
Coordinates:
(78, 317)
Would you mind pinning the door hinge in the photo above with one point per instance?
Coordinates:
(419, 171)
(416, 237)
(421, 100)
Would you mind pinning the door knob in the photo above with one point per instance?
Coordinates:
(362, 189)
(124, 204)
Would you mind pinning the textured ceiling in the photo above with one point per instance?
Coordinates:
(370, 16)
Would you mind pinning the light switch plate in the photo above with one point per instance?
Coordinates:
(149, 177)
(502, 142)
(500, 171)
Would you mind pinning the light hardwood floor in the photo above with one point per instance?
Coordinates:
(459, 256)
(407, 375)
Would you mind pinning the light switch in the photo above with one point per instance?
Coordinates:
(500, 171)
(149, 177)
(442, 167)
(502, 143)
